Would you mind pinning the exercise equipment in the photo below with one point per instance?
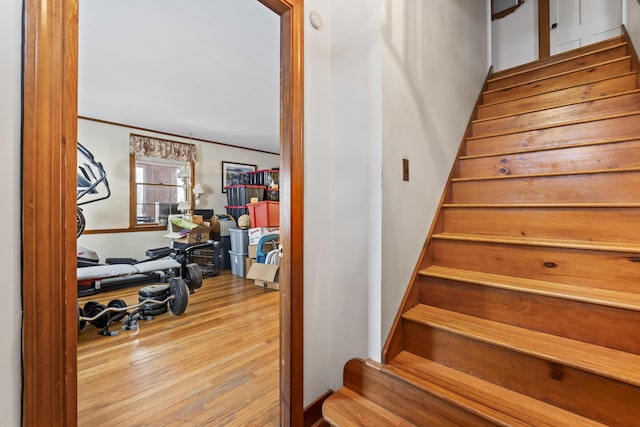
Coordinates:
(173, 297)
(92, 183)
(161, 266)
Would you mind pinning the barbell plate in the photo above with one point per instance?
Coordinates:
(158, 291)
(194, 274)
(89, 306)
(180, 292)
(101, 321)
(117, 303)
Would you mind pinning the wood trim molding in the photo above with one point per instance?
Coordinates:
(49, 243)
(126, 230)
(174, 135)
(313, 412)
(544, 37)
(505, 12)
(291, 208)
(631, 50)
(48, 211)
(132, 191)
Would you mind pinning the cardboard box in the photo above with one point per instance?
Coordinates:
(265, 275)
(199, 234)
(256, 233)
(253, 249)
(247, 265)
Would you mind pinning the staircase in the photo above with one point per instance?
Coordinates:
(524, 309)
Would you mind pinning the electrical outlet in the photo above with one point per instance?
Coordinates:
(405, 169)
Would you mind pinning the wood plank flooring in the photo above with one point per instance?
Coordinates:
(215, 365)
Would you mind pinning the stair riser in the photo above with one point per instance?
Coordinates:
(557, 116)
(594, 224)
(591, 188)
(606, 270)
(404, 399)
(572, 64)
(573, 159)
(593, 131)
(556, 98)
(590, 395)
(617, 328)
(559, 57)
(558, 82)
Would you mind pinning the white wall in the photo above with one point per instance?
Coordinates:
(355, 147)
(319, 237)
(515, 37)
(110, 146)
(342, 189)
(434, 64)
(632, 21)
(10, 134)
(374, 93)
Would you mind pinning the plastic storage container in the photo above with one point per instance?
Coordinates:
(236, 211)
(239, 240)
(272, 194)
(240, 195)
(226, 223)
(270, 178)
(237, 263)
(264, 214)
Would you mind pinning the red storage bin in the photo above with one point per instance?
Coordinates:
(264, 214)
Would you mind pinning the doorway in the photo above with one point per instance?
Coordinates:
(48, 211)
(569, 24)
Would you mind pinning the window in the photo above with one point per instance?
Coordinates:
(158, 186)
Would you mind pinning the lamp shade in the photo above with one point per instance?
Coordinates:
(197, 189)
(183, 206)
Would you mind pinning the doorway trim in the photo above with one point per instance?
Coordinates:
(49, 141)
(544, 38)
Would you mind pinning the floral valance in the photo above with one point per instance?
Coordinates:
(140, 145)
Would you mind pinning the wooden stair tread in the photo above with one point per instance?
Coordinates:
(563, 60)
(485, 397)
(550, 148)
(489, 104)
(546, 174)
(561, 56)
(541, 205)
(555, 125)
(613, 364)
(569, 103)
(605, 297)
(348, 408)
(564, 73)
(553, 243)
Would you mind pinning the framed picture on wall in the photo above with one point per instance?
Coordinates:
(233, 173)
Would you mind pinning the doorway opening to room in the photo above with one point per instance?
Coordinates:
(50, 90)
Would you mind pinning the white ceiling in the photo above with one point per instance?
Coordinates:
(209, 68)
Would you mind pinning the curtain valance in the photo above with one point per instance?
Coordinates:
(140, 145)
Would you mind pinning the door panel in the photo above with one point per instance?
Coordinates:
(582, 22)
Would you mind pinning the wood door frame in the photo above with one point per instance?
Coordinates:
(544, 38)
(49, 139)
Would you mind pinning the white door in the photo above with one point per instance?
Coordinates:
(576, 23)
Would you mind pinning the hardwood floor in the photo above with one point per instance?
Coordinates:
(217, 364)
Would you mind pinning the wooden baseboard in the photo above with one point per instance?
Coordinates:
(313, 412)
